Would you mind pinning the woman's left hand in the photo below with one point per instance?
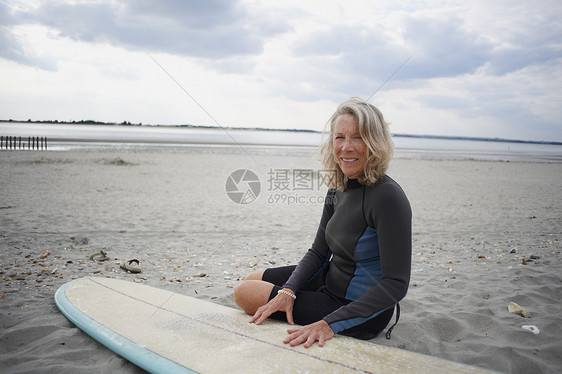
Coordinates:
(318, 331)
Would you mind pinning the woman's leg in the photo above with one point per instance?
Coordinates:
(310, 306)
(251, 294)
(256, 275)
(254, 291)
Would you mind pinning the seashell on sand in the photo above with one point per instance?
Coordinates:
(515, 308)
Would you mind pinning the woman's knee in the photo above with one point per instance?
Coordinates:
(239, 292)
(242, 293)
(256, 275)
(251, 294)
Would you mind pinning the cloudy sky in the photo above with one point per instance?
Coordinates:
(466, 68)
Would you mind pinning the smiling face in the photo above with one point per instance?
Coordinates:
(350, 150)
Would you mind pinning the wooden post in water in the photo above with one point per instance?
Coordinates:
(17, 143)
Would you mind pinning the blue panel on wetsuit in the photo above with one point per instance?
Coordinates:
(368, 271)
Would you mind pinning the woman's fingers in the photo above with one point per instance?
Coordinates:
(278, 303)
(290, 316)
(319, 331)
(261, 315)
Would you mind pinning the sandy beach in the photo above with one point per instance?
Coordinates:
(484, 234)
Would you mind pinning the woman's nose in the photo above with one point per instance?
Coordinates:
(347, 144)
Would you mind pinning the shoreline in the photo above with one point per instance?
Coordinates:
(189, 139)
(257, 149)
(474, 223)
(225, 128)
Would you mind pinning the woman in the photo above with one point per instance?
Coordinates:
(358, 267)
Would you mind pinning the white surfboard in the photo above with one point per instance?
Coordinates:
(166, 332)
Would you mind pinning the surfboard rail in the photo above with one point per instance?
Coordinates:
(129, 350)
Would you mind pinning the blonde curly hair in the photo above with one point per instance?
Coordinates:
(373, 130)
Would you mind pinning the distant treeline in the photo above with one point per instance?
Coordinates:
(472, 138)
(126, 123)
(81, 122)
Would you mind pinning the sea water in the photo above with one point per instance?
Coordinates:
(65, 137)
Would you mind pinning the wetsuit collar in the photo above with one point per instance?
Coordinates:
(353, 183)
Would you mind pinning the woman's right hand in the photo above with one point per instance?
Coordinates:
(282, 302)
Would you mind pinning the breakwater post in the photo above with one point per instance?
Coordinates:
(15, 143)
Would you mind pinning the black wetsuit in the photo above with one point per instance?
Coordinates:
(361, 256)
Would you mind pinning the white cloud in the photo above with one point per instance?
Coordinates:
(209, 29)
(478, 68)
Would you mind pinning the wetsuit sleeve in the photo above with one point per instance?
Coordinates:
(319, 254)
(389, 212)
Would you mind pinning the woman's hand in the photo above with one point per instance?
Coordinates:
(318, 331)
(281, 302)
